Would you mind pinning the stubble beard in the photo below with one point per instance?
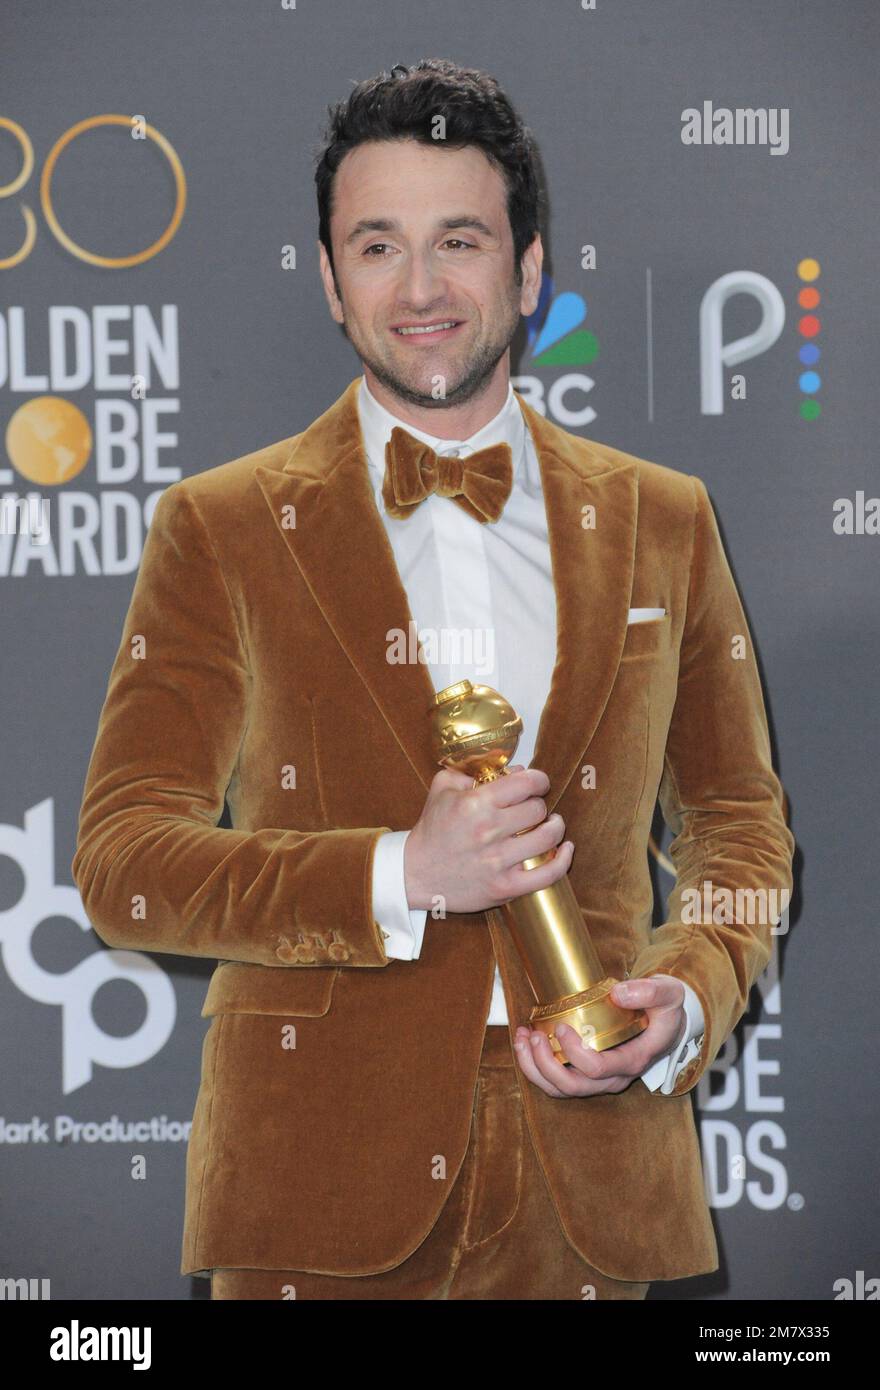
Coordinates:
(475, 375)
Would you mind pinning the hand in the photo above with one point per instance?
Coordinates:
(465, 849)
(598, 1073)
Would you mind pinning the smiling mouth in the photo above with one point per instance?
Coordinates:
(429, 330)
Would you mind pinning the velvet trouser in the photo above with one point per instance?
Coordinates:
(497, 1237)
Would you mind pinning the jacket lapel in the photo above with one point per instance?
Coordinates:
(323, 505)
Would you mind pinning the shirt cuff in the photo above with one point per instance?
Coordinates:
(402, 927)
(663, 1073)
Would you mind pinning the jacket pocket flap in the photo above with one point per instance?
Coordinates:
(237, 987)
(647, 638)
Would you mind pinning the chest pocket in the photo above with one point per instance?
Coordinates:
(648, 639)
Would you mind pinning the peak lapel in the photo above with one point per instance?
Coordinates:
(339, 544)
(592, 568)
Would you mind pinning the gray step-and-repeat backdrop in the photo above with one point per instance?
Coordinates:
(708, 304)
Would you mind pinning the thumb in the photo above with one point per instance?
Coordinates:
(649, 992)
(450, 777)
(634, 994)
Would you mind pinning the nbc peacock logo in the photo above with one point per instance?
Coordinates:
(557, 340)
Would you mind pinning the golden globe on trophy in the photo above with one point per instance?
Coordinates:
(474, 730)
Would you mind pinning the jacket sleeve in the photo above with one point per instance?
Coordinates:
(153, 867)
(724, 803)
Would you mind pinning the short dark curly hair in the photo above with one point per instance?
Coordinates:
(405, 103)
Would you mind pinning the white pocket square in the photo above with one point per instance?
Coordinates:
(644, 615)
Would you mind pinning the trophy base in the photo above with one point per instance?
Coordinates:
(600, 1022)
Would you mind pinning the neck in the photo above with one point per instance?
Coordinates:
(448, 420)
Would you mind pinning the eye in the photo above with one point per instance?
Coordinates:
(381, 246)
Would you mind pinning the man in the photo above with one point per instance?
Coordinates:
(374, 1119)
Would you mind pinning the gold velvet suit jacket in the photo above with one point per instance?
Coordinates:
(264, 597)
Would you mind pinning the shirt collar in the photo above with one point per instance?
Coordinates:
(507, 427)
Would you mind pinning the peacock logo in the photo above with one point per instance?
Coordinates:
(557, 338)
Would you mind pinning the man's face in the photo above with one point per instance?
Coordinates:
(400, 262)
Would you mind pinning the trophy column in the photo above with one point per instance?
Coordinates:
(475, 731)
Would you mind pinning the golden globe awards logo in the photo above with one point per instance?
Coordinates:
(741, 1095)
(122, 360)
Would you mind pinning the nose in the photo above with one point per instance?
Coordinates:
(422, 281)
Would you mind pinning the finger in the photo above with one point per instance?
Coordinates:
(517, 786)
(450, 777)
(554, 1071)
(526, 815)
(535, 838)
(523, 1049)
(626, 1060)
(649, 992)
(522, 816)
(519, 880)
(578, 1083)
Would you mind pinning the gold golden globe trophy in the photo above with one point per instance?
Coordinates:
(474, 730)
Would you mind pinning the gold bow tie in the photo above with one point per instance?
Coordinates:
(480, 484)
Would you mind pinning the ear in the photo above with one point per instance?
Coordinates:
(329, 283)
(532, 261)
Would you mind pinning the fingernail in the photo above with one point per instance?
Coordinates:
(624, 993)
(535, 1038)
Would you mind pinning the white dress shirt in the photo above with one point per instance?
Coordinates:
(482, 599)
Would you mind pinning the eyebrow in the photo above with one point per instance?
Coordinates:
(388, 224)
